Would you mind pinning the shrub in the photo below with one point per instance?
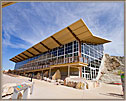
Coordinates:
(119, 72)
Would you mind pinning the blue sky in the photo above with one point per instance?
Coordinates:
(27, 23)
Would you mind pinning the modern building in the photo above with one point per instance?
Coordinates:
(74, 51)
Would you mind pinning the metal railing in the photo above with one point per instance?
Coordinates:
(45, 64)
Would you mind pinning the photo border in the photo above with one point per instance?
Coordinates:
(64, 1)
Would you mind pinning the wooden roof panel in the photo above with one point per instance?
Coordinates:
(80, 30)
(19, 57)
(64, 37)
(16, 59)
(76, 25)
(62, 34)
(50, 43)
(40, 47)
(27, 53)
(23, 56)
(84, 35)
(68, 40)
(96, 40)
(33, 51)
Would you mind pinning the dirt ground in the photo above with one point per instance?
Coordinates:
(45, 90)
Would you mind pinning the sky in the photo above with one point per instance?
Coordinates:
(26, 23)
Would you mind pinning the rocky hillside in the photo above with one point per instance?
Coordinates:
(110, 72)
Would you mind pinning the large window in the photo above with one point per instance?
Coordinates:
(68, 48)
(61, 51)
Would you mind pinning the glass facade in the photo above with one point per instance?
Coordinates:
(55, 56)
(68, 53)
(94, 54)
(20, 64)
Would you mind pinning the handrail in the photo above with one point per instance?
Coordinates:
(44, 64)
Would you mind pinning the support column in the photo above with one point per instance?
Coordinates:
(42, 75)
(68, 70)
(91, 74)
(33, 74)
(80, 72)
(95, 73)
(50, 73)
(84, 72)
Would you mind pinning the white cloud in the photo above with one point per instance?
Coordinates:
(44, 19)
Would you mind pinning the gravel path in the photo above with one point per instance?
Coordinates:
(9, 79)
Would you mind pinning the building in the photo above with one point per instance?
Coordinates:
(74, 50)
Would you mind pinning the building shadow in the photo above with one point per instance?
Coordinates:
(113, 94)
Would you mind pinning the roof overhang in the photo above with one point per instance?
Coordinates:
(4, 3)
(76, 31)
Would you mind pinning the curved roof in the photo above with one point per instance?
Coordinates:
(75, 31)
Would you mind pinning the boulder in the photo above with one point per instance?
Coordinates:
(8, 88)
(45, 78)
(38, 76)
(90, 84)
(48, 79)
(65, 83)
(71, 84)
(53, 81)
(61, 82)
(57, 75)
(46, 74)
(79, 85)
(96, 84)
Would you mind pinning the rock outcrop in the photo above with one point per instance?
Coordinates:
(112, 66)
